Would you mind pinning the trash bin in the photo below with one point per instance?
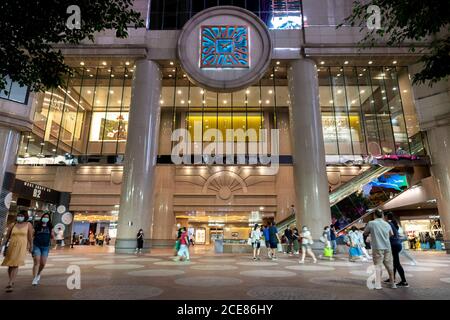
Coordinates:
(218, 246)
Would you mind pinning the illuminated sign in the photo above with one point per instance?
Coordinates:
(224, 47)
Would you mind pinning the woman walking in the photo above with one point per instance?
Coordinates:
(396, 247)
(139, 241)
(307, 242)
(183, 253)
(18, 242)
(295, 236)
(256, 241)
(43, 233)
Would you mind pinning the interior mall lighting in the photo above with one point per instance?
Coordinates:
(270, 91)
(370, 62)
(278, 62)
(202, 91)
(322, 62)
(171, 63)
(179, 91)
(127, 63)
(112, 76)
(82, 63)
(394, 62)
(161, 101)
(339, 91)
(111, 91)
(345, 62)
(247, 91)
(362, 91)
(104, 63)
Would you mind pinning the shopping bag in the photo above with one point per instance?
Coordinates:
(279, 247)
(354, 252)
(328, 252)
(177, 245)
(249, 241)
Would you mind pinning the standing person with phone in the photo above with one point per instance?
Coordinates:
(18, 243)
(43, 233)
(139, 241)
(274, 240)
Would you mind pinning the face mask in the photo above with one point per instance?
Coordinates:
(44, 220)
(20, 218)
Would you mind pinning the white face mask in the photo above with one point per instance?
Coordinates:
(20, 219)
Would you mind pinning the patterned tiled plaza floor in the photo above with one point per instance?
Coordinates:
(107, 276)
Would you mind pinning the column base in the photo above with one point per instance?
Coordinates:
(163, 243)
(447, 246)
(129, 246)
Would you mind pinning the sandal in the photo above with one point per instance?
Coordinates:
(9, 288)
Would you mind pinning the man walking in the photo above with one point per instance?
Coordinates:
(380, 231)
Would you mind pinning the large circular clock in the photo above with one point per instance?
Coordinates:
(225, 49)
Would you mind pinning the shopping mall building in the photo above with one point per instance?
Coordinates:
(212, 118)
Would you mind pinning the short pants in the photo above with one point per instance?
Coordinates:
(40, 251)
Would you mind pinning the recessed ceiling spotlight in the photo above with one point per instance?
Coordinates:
(394, 62)
(345, 62)
(161, 101)
(171, 63)
(82, 63)
(111, 91)
(331, 101)
(322, 62)
(339, 91)
(362, 91)
(247, 91)
(182, 101)
(104, 63)
(127, 63)
(270, 91)
(370, 62)
(278, 62)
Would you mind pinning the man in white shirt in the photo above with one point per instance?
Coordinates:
(380, 231)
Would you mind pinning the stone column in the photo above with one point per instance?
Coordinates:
(310, 175)
(9, 144)
(136, 200)
(433, 110)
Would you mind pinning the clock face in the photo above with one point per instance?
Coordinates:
(224, 47)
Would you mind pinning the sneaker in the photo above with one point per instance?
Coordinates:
(387, 281)
(393, 286)
(315, 261)
(35, 281)
(254, 258)
(301, 262)
(274, 258)
(378, 287)
(403, 284)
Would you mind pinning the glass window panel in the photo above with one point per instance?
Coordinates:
(18, 93)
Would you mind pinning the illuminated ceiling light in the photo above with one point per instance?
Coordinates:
(362, 91)
(270, 91)
(394, 62)
(68, 91)
(111, 91)
(372, 101)
(345, 62)
(54, 150)
(259, 101)
(189, 101)
(173, 70)
(383, 91)
(131, 70)
(109, 70)
(338, 75)
(267, 101)
(225, 101)
(202, 91)
(104, 63)
(364, 69)
(392, 107)
(203, 101)
(112, 76)
(341, 69)
(82, 63)
(370, 62)
(91, 75)
(394, 88)
(88, 70)
(384, 98)
(360, 74)
(247, 91)
(179, 91)
(405, 91)
(127, 63)
(271, 75)
(246, 101)
(261, 208)
(184, 76)
(322, 62)
(98, 101)
(170, 76)
(119, 101)
(89, 92)
(331, 101)
(171, 63)
(161, 101)
(278, 62)
(353, 101)
(387, 69)
(182, 101)
(339, 91)
(383, 74)
(126, 76)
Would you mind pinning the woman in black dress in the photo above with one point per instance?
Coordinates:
(140, 241)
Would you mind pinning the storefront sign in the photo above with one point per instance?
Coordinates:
(225, 49)
(30, 190)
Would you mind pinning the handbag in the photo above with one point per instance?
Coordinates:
(249, 241)
(7, 242)
(354, 252)
(328, 252)
(177, 245)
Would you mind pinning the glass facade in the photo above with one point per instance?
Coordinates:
(88, 116)
(277, 14)
(362, 112)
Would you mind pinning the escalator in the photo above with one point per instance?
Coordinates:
(348, 202)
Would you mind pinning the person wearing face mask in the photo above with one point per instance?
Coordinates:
(18, 242)
(140, 241)
(43, 234)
